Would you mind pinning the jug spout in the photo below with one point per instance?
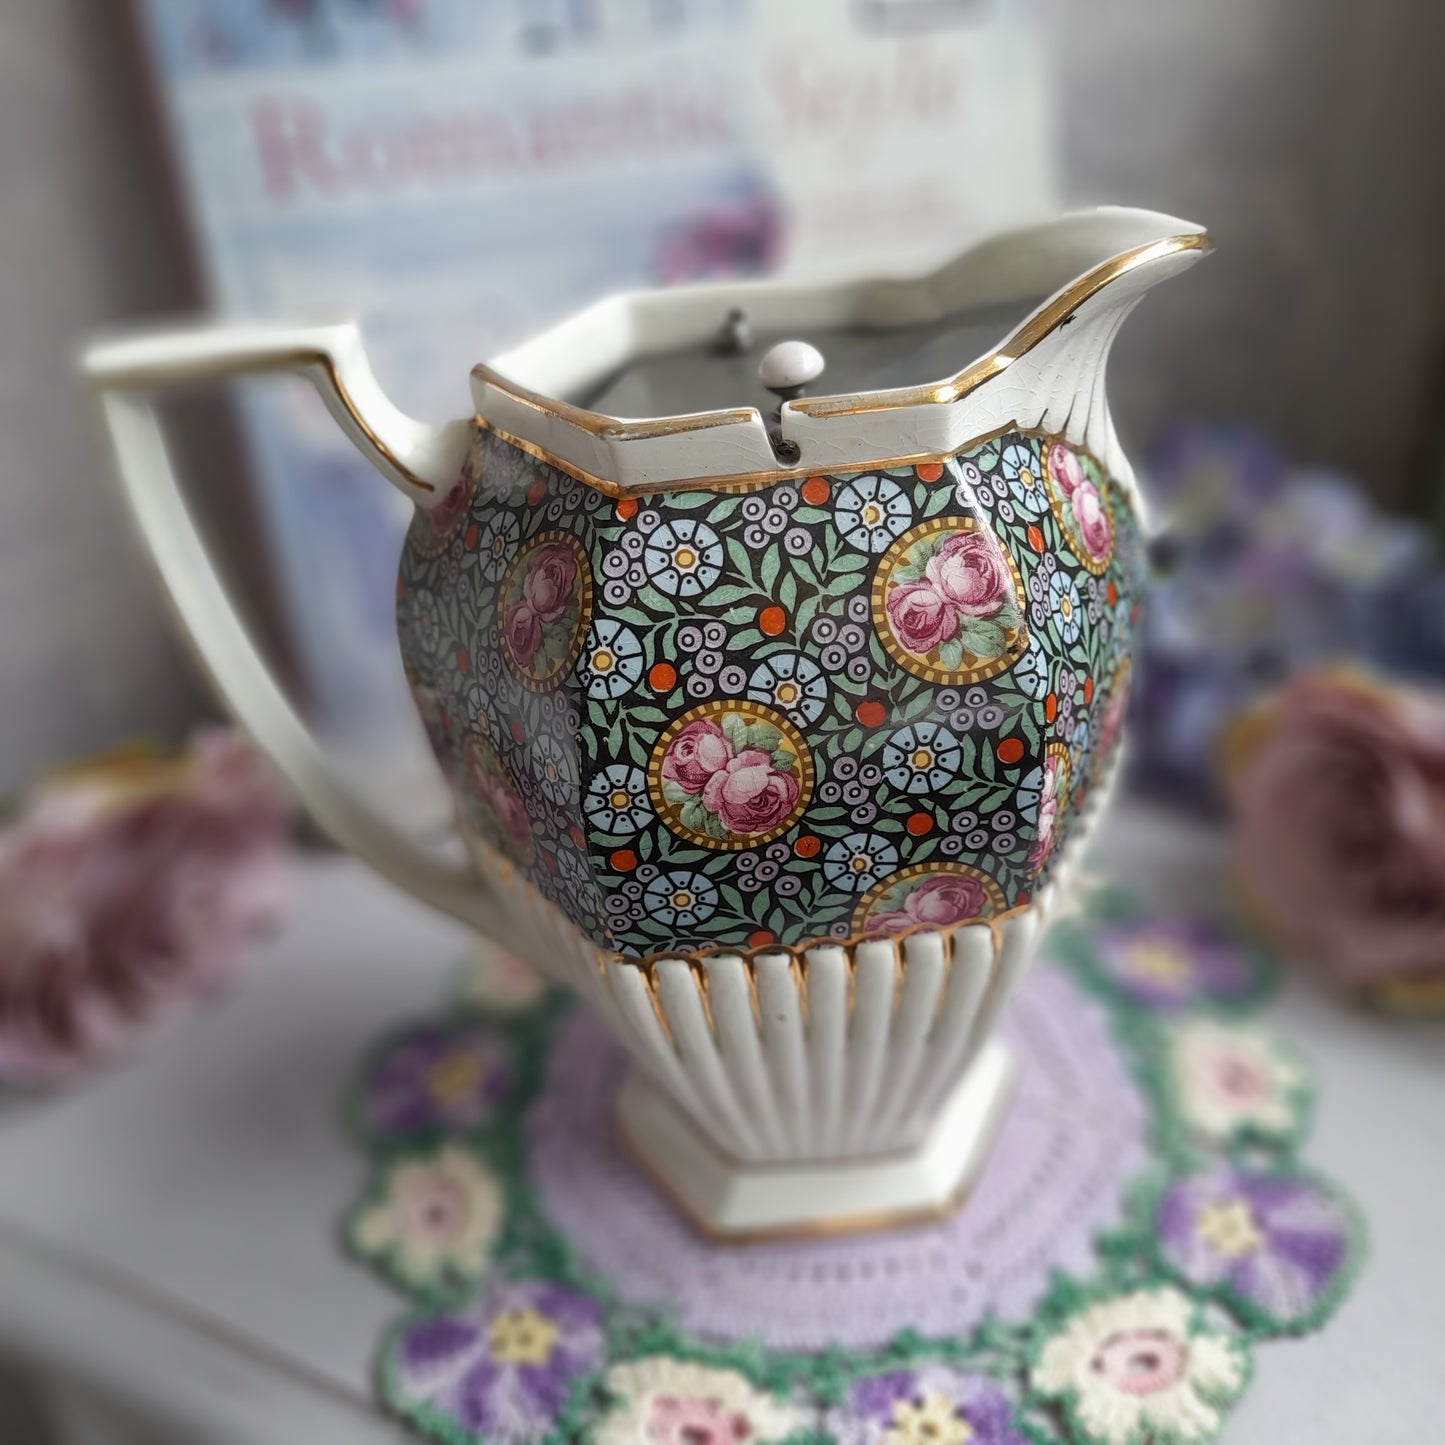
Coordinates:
(1072, 281)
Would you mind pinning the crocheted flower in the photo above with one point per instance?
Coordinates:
(434, 1079)
(1172, 965)
(1139, 1367)
(500, 1370)
(1275, 1246)
(498, 980)
(435, 1221)
(930, 1404)
(1230, 1082)
(131, 888)
(666, 1401)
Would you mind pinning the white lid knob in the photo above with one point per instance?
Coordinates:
(789, 366)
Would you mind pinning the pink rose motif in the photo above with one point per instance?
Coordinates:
(1048, 812)
(674, 1421)
(1092, 520)
(130, 890)
(551, 581)
(969, 572)
(698, 752)
(448, 512)
(1064, 466)
(505, 807)
(1339, 802)
(937, 902)
(749, 794)
(1114, 715)
(922, 618)
(524, 632)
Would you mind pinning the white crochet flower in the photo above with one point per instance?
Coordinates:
(1229, 1080)
(665, 1401)
(438, 1217)
(497, 979)
(1134, 1367)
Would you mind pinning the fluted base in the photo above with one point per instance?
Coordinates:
(729, 1199)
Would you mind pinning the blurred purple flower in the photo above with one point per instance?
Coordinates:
(1173, 964)
(437, 1078)
(130, 887)
(925, 1402)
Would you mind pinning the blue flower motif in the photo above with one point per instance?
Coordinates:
(683, 558)
(860, 860)
(793, 684)
(497, 544)
(680, 899)
(1031, 672)
(617, 800)
(611, 662)
(1065, 605)
(553, 768)
(871, 511)
(1024, 470)
(922, 758)
(1030, 790)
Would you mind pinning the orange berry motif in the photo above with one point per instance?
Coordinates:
(627, 508)
(920, 824)
(1036, 541)
(816, 491)
(1051, 706)
(662, 677)
(1088, 690)
(624, 860)
(536, 492)
(930, 471)
(1010, 750)
(872, 713)
(772, 620)
(760, 939)
(808, 846)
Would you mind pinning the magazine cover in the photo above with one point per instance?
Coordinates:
(458, 173)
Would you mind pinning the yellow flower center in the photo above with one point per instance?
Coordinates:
(1163, 963)
(787, 692)
(922, 760)
(931, 1421)
(620, 800)
(1066, 606)
(1230, 1228)
(455, 1078)
(602, 660)
(682, 899)
(872, 514)
(1026, 479)
(521, 1337)
(860, 862)
(685, 559)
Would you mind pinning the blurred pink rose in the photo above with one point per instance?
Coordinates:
(524, 632)
(938, 902)
(1064, 465)
(1049, 802)
(749, 794)
(448, 512)
(696, 753)
(1092, 520)
(922, 618)
(969, 571)
(1339, 800)
(129, 889)
(551, 581)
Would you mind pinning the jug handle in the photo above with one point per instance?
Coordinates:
(421, 461)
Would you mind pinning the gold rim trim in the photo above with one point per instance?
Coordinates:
(984, 668)
(610, 429)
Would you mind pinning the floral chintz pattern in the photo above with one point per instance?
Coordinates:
(832, 705)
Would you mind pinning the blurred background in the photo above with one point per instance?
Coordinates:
(283, 157)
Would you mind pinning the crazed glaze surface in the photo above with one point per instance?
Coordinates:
(830, 706)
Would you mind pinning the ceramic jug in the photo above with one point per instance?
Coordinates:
(774, 719)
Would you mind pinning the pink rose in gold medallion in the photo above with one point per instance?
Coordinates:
(937, 902)
(968, 571)
(749, 794)
(922, 617)
(698, 752)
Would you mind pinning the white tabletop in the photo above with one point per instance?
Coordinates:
(167, 1235)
